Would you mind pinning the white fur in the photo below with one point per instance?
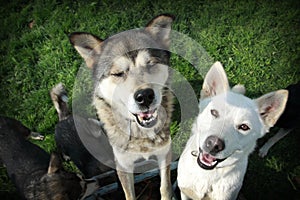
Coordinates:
(225, 180)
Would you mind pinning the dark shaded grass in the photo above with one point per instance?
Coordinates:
(257, 41)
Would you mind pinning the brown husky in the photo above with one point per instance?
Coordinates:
(132, 96)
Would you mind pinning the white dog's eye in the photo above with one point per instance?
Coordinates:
(214, 113)
(244, 127)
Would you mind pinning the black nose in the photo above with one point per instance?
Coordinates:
(213, 145)
(144, 97)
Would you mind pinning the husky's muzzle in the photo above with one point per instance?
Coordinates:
(144, 98)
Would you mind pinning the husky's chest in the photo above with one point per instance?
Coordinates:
(128, 157)
(127, 140)
(126, 135)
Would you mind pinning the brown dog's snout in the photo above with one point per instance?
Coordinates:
(144, 97)
(213, 145)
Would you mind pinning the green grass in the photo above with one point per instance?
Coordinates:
(257, 41)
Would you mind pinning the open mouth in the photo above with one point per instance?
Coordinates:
(146, 119)
(207, 161)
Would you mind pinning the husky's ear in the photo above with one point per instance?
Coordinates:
(215, 81)
(87, 46)
(271, 106)
(160, 28)
(55, 163)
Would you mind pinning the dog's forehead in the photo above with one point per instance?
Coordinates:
(229, 103)
(133, 59)
(232, 109)
(138, 57)
(120, 64)
(118, 57)
(129, 41)
(127, 44)
(231, 99)
(142, 57)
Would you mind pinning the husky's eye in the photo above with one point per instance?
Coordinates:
(152, 61)
(243, 127)
(214, 113)
(118, 74)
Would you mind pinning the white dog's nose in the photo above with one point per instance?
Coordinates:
(213, 145)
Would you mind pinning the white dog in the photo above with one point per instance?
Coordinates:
(214, 161)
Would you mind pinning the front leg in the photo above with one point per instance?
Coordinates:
(127, 181)
(263, 151)
(164, 162)
(165, 183)
(125, 168)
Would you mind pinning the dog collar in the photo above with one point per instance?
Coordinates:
(194, 153)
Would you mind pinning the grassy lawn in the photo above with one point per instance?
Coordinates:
(257, 41)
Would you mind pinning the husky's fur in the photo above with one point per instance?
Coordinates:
(125, 68)
(214, 161)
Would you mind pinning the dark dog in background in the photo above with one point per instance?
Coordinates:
(67, 138)
(23, 130)
(35, 173)
(289, 120)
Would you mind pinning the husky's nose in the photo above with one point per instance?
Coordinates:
(144, 97)
(213, 145)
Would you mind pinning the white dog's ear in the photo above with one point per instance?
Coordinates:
(271, 106)
(160, 28)
(87, 46)
(215, 81)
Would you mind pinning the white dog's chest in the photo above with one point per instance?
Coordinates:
(190, 178)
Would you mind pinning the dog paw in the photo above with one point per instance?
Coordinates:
(263, 152)
(36, 136)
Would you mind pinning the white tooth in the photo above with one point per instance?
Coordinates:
(140, 118)
(155, 114)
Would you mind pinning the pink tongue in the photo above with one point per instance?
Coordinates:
(146, 114)
(208, 158)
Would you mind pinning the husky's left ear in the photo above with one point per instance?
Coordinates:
(55, 163)
(271, 106)
(160, 28)
(215, 81)
(87, 46)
